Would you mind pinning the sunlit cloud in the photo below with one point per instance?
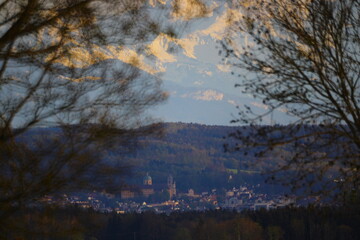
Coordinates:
(207, 95)
(81, 57)
(221, 23)
(159, 48)
(188, 45)
(207, 73)
(223, 67)
(266, 107)
(260, 105)
(153, 3)
(190, 9)
(162, 48)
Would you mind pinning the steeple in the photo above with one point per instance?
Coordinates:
(147, 179)
(171, 186)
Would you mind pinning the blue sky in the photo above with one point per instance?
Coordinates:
(199, 83)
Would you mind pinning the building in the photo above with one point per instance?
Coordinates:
(127, 193)
(147, 180)
(148, 188)
(171, 187)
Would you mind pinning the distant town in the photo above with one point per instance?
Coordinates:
(164, 198)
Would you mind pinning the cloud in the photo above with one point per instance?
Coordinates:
(207, 73)
(159, 48)
(266, 107)
(199, 83)
(232, 102)
(191, 9)
(260, 105)
(159, 66)
(218, 28)
(283, 110)
(188, 45)
(153, 3)
(207, 95)
(188, 9)
(163, 43)
(81, 57)
(131, 57)
(223, 67)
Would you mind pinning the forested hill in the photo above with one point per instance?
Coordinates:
(194, 155)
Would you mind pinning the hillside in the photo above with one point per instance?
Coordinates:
(194, 155)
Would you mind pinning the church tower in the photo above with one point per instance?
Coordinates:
(171, 186)
(147, 180)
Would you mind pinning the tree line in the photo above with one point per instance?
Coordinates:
(327, 223)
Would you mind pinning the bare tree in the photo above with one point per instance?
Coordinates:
(55, 72)
(302, 58)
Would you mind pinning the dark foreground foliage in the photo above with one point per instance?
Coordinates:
(279, 224)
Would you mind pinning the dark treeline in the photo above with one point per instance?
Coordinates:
(279, 224)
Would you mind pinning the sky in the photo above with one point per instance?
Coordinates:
(200, 84)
